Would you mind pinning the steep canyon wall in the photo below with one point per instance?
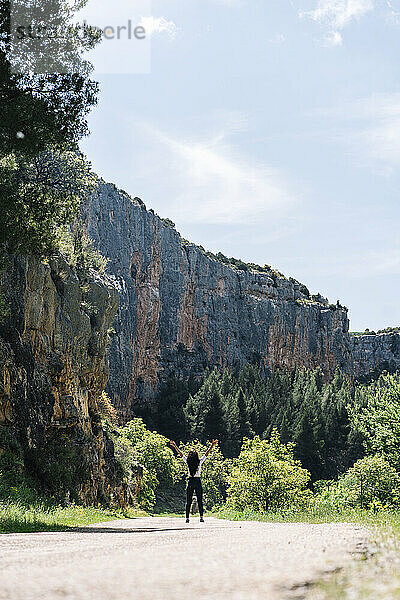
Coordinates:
(181, 310)
(53, 369)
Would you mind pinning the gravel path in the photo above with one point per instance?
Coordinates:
(159, 558)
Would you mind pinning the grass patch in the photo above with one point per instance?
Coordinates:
(17, 518)
(385, 519)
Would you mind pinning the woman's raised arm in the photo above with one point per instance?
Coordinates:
(172, 443)
(213, 443)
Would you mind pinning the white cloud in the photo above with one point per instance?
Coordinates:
(353, 265)
(279, 38)
(339, 13)
(336, 15)
(158, 25)
(229, 2)
(209, 182)
(334, 38)
(369, 264)
(394, 11)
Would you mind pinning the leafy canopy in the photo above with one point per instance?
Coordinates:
(376, 415)
(134, 443)
(267, 477)
(43, 177)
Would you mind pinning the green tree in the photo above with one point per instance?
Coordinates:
(308, 428)
(238, 425)
(42, 175)
(136, 444)
(39, 199)
(376, 416)
(204, 410)
(371, 483)
(48, 109)
(266, 477)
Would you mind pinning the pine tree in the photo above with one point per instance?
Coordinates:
(204, 411)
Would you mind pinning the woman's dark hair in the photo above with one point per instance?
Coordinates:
(193, 462)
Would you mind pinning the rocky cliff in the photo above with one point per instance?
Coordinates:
(53, 369)
(182, 310)
(374, 353)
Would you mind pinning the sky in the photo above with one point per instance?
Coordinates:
(268, 130)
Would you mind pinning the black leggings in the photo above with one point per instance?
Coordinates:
(194, 485)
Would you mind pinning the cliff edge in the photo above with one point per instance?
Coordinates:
(182, 310)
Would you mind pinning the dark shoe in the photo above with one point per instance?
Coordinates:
(201, 520)
(187, 520)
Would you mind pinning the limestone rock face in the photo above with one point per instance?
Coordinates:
(181, 311)
(53, 368)
(374, 353)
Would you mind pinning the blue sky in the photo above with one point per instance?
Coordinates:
(269, 130)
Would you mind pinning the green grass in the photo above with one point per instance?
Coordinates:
(18, 518)
(383, 518)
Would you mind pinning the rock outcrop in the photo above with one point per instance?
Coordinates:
(53, 369)
(374, 353)
(182, 310)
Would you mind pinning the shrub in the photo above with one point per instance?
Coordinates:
(370, 482)
(106, 409)
(376, 416)
(373, 478)
(79, 252)
(136, 444)
(267, 477)
(39, 199)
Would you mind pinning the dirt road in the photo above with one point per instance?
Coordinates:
(165, 559)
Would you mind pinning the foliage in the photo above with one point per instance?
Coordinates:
(371, 483)
(39, 198)
(75, 245)
(375, 479)
(168, 223)
(240, 265)
(167, 415)
(48, 109)
(204, 411)
(106, 409)
(214, 473)
(306, 410)
(389, 330)
(134, 443)
(303, 288)
(266, 477)
(376, 416)
(43, 177)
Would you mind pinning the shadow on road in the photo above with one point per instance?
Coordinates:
(120, 530)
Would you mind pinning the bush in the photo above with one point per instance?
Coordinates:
(40, 199)
(106, 409)
(267, 477)
(78, 250)
(136, 444)
(369, 483)
(376, 416)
